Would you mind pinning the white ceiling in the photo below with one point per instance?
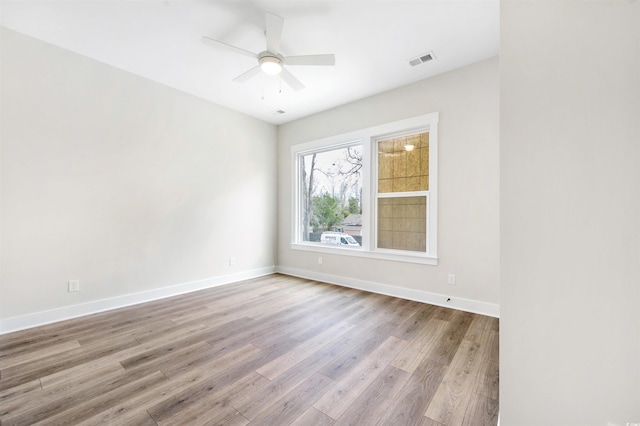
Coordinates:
(372, 41)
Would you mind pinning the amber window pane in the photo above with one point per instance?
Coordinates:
(402, 170)
(402, 223)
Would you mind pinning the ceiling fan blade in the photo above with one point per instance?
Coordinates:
(247, 75)
(329, 59)
(274, 32)
(217, 43)
(291, 80)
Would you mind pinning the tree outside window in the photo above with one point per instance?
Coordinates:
(331, 191)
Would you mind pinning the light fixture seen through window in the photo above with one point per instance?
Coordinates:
(270, 65)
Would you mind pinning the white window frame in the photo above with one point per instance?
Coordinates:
(369, 139)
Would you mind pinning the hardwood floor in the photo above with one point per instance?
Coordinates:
(271, 351)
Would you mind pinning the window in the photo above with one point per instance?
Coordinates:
(402, 192)
(371, 193)
(331, 198)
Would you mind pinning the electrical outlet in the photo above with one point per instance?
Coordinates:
(232, 261)
(74, 285)
(451, 279)
(320, 260)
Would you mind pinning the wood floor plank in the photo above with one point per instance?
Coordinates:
(81, 412)
(76, 397)
(450, 402)
(445, 349)
(166, 335)
(372, 304)
(313, 417)
(110, 361)
(373, 402)
(28, 340)
(415, 322)
(488, 381)
(421, 346)
(251, 405)
(199, 384)
(217, 407)
(275, 350)
(429, 422)
(323, 319)
(284, 306)
(154, 330)
(16, 398)
(51, 364)
(50, 397)
(215, 365)
(481, 412)
(126, 326)
(22, 392)
(368, 338)
(226, 417)
(304, 350)
(248, 302)
(117, 356)
(31, 355)
(479, 329)
(412, 401)
(180, 384)
(349, 388)
(285, 410)
(216, 381)
(132, 416)
(167, 354)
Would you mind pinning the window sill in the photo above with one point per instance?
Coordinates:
(359, 252)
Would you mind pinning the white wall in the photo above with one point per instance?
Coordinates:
(570, 156)
(468, 228)
(122, 183)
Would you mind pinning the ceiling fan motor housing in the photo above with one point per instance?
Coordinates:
(270, 63)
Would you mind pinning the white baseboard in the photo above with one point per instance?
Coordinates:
(35, 319)
(9, 325)
(468, 305)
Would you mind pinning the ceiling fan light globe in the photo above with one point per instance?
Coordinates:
(271, 66)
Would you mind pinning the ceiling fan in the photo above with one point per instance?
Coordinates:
(271, 61)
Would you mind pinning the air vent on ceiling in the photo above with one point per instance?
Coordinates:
(278, 112)
(422, 59)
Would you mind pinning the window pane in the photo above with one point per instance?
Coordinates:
(402, 223)
(331, 199)
(403, 164)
